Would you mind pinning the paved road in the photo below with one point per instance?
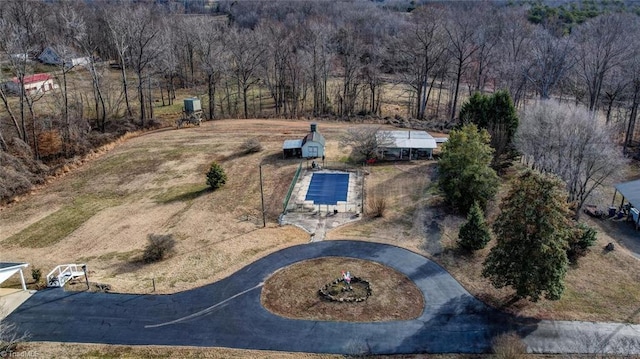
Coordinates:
(228, 314)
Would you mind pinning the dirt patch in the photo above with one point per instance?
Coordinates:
(292, 292)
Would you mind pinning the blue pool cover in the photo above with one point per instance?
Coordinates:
(328, 188)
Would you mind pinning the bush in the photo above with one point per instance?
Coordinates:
(158, 248)
(580, 240)
(377, 206)
(216, 177)
(508, 346)
(251, 146)
(36, 274)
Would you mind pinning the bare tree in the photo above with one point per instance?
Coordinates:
(514, 45)
(117, 20)
(601, 44)
(10, 336)
(144, 34)
(277, 38)
(486, 39)
(68, 27)
(366, 141)
(168, 62)
(569, 142)
(461, 30)
(318, 47)
(21, 30)
(245, 50)
(633, 73)
(550, 62)
(210, 49)
(89, 43)
(348, 50)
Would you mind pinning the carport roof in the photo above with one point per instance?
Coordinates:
(631, 191)
(291, 144)
(7, 269)
(11, 265)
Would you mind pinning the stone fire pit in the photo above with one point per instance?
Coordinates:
(342, 290)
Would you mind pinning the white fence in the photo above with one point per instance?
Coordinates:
(63, 273)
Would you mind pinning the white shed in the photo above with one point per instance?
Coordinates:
(311, 146)
(313, 143)
(50, 56)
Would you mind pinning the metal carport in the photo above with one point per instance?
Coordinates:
(631, 192)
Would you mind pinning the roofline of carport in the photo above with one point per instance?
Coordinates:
(19, 267)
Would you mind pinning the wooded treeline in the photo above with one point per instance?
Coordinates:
(312, 58)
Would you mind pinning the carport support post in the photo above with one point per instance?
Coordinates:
(86, 279)
(613, 200)
(24, 285)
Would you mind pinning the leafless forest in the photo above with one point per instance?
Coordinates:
(293, 59)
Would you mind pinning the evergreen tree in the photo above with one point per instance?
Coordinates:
(497, 115)
(216, 177)
(464, 172)
(582, 238)
(474, 234)
(531, 232)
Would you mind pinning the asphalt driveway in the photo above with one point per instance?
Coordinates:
(228, 313)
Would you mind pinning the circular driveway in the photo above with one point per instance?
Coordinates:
(228, 313)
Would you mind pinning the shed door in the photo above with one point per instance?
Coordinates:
(313, 151)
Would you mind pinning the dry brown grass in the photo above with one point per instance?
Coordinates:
(509, 346)
(155, 184)
(102, 351)
(293, 292)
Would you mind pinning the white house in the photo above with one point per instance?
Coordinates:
(311, 146)
(37, 83)
(406, 145)
(50, 56)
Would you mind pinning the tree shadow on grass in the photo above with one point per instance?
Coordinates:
(184, 196)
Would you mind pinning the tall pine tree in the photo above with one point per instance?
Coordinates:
(496, 114)
(531, 232)
(464, 173)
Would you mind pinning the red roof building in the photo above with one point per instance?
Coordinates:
(37, 83)
(33, 78)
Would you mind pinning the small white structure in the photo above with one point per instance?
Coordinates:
(406, 145)
(64, 273)
(20, 57)
(50, 56)
(33, 84)
(191, 112)
(8, 269)
(311, 146)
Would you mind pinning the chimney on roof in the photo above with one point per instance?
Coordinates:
(314, 127)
